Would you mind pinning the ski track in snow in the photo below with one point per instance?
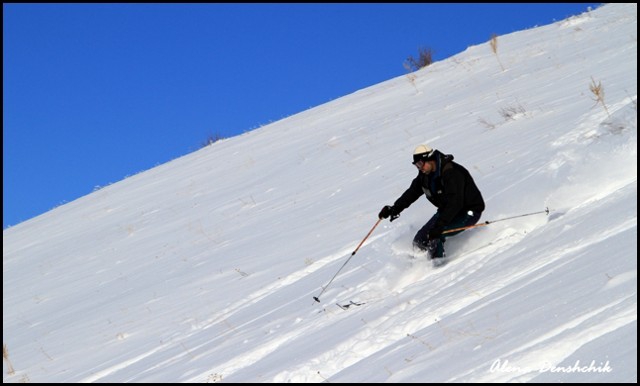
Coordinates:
(369, 341)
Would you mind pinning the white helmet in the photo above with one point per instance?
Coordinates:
(423, 153)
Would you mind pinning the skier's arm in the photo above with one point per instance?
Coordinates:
(409, 196)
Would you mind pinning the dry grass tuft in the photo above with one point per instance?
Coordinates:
(494, 47)
(5, 356)
(598, 91)
(425, 58)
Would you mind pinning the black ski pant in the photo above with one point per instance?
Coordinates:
(436, 248)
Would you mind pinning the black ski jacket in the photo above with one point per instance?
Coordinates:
(450, 188)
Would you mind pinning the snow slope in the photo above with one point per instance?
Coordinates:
(204, 269)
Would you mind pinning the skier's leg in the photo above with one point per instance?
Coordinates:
(436, 247)
(421, 240)
(463, 220)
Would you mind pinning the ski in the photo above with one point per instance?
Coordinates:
(351, 303)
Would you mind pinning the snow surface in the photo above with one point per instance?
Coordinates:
(204, 269)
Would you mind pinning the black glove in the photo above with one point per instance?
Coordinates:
(435, 233)
(389, 211)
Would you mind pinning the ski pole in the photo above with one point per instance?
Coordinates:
(546, 210)
(317, 298)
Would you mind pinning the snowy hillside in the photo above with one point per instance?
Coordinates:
(204, 269)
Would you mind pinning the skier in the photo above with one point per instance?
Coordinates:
(449, 187)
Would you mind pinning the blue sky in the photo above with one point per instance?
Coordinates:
(95, 93)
